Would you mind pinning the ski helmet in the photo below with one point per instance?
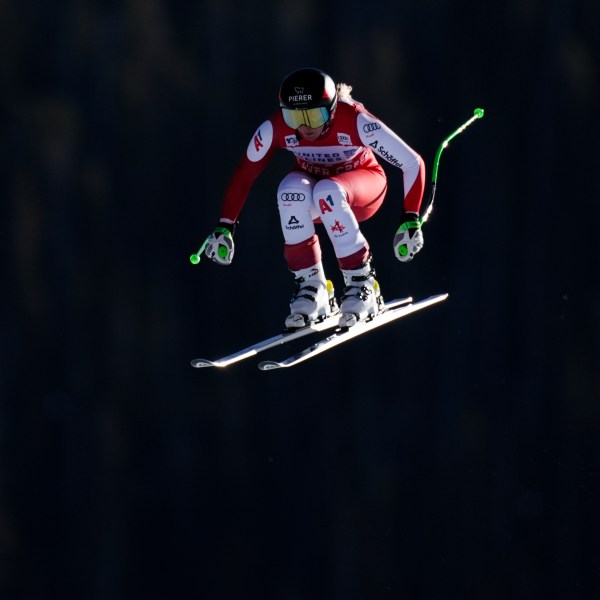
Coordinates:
(307, 97)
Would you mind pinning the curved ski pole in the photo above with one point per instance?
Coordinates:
(477, 114)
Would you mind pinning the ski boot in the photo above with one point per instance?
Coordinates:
(362, 298)
(313, 299)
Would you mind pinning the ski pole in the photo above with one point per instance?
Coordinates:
(195, 258)
(477, 114)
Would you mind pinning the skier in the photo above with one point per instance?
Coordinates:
(337, 181)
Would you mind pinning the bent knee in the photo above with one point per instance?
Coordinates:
(329, 186)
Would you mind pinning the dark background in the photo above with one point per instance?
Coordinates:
(450, 455)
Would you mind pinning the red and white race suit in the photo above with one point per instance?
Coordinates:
(337, 180)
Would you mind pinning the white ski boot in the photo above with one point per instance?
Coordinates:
(361, 299)
(313, 299)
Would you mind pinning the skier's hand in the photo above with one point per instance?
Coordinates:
(220, 246)
(409, 237)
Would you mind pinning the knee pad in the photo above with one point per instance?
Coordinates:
(329, 196)
(294, 200)
(331, 202)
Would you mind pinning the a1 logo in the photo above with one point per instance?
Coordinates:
(325, 204)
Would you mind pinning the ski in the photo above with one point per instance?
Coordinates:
(344, 335)
(282, 338)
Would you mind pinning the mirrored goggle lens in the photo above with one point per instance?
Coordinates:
(313, 117)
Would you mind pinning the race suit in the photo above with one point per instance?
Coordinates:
(336, 181)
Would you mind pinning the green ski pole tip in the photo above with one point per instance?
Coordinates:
(479, 112)
(194, 259)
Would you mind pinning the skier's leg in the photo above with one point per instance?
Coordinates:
(294, 199)
(313, 298)
(331, 201)
(361, 298)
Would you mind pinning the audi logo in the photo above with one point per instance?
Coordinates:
(371, 127)
(292, 197)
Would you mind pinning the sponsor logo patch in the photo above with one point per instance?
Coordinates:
(293, 197)
(338, 228)
(293, 224)
(261, 142)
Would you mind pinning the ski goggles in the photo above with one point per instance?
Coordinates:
(311, 117)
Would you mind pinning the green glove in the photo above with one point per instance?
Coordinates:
(409, 237)
(220, 246)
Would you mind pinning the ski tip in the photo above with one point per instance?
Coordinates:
(199, 363)
(434, 299)
(269, 365)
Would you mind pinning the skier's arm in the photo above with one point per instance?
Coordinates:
(258, 154)
(219, 245)
(389, 146)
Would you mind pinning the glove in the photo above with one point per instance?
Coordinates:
(409, 237)
(219, 245)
